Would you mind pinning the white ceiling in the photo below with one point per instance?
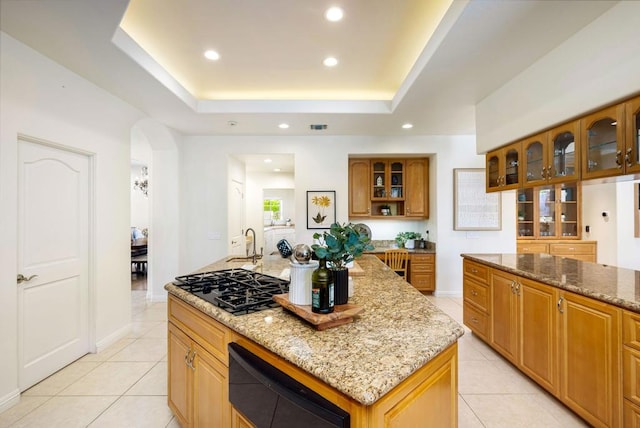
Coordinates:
(476, 47)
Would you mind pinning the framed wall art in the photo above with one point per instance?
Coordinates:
(321, 209)
(473, 207)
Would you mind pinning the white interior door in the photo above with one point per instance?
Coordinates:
(236, 218)
(53, 216)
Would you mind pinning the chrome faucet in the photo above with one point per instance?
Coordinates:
(254, 244)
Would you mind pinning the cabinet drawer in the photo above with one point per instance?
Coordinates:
(631, 375)
(212, 335)
(477, 321)
(532, 248)
(631, 329)
(423, 258)
(631, 415)
(476, 294)
(571, 248)
(423, 281)
(422, 266)
(477, 271)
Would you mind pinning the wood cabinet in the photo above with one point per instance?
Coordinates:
(579, 250)
(552, 156)
(197, 383)
(590, 354)
(632, 136)
(603, 137)
(422, 272)
(359, 198)
(569, 344)
(549, 212)
(389, 188)
(503, 168)
(631, 368)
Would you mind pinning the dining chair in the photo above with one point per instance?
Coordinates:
(397, 259)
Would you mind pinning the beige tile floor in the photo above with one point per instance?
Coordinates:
(125, 385)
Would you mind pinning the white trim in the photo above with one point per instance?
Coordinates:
(9, 400)
(113, 338)
(447, 293)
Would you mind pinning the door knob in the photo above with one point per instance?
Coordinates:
(21, 278)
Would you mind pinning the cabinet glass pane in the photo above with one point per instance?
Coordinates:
(569, 210)
(512, 166)
(525, 212)
(378, 180)
(564, 155)
(493, 171)
(602, 145)
(396, 180)
(547, 211)
(534, 161)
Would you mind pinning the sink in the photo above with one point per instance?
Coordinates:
(243, 258)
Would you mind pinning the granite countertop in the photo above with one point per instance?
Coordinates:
(610, 284)
(398, 332)
(380, 246)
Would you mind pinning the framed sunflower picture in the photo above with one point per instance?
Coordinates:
(321, 209)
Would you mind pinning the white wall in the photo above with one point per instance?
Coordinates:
(596, 66)
(41, 99)
(630, 256)
(321, 163)
(597, 198)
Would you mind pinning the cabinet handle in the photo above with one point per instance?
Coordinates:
(186, 357)
(619, 158)
(559, 305)
(474, 270)
(627, 157)
(191, 361)
(513, 287)
(549, 172)
(474, 293)
(518, 285)
(474, 320)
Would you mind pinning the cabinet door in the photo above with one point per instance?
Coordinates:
(504, 314)
(379, 179)
(359, 198)
(417, 179)
(546, 220)
(535, 170)
(590, 355)
(632, 140)
(494, 170)
(512, 167)
(211, 407)
(179, 385)
(603, 137)
(538, 338)
(564, 153)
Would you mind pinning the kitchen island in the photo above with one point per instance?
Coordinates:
(571, 326)
(396, 362)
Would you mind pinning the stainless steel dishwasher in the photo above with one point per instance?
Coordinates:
(271, 399)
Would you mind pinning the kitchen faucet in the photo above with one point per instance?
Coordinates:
(254, 244)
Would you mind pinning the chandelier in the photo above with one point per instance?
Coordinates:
(142, 184)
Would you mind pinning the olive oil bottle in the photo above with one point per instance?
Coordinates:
(322, 289)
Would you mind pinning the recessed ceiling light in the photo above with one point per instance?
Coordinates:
(407, 126)
(267, 160)
(330, 61)
(334, 14)
(283, 126)
(212, 55)
(276, 169)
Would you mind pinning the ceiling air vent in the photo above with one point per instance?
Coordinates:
(318, 127)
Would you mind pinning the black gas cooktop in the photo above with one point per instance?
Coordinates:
(238, 291)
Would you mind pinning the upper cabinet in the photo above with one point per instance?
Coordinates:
(503, 168)
(632, 140)
(389, 188)
(552, 157)
(603, 137)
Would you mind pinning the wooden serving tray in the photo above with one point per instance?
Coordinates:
(342, 314)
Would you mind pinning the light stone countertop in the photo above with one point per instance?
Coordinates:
(398, 332)
(610, 284)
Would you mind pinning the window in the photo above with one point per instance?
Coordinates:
(272, 210)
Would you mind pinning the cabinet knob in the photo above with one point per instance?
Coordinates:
(474, 320)
(619, 159)
(474, 293)
(628, 157)
(559, 305)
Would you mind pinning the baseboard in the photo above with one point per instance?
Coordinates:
(101, 345)
(9, 400)
(447, 293)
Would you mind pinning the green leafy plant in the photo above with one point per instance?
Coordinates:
(341, 244)
(403, 237)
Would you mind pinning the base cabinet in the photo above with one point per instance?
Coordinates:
(422, 272)
(569, 344)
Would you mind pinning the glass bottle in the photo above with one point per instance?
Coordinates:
(322, 289)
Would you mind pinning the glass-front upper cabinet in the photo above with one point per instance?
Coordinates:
(379, 179)
(387, 179)
(603, 139)
(564, 153)
(632, 140)
(549, 212)
(535, 163)
(503, 169)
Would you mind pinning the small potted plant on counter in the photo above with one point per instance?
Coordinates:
(407, 239)
(340, 246)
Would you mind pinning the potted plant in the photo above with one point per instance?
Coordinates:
(340, 245)
(407, 239)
